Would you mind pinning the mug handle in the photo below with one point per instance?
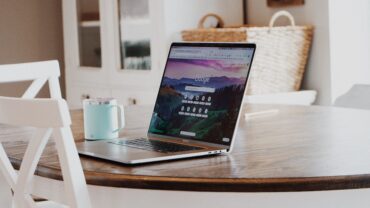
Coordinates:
(121, 117)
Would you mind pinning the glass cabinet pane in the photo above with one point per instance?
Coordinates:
(89, 33)
(135, 34)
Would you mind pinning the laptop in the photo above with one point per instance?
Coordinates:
(197, 109)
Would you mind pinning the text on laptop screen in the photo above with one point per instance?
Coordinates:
(200, 93)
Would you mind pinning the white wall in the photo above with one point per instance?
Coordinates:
(341, 47)
(185, 14)
(30, 30)
(350, 45)
(314, 12)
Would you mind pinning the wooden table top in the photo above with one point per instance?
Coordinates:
(298, 149)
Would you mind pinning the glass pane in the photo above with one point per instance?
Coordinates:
(135, 34)
(89, 33)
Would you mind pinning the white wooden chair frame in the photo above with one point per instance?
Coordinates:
(39, 72)
(50, 116)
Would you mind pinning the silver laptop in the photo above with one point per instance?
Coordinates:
(197, 108)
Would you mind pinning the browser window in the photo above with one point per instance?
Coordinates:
(201, 92)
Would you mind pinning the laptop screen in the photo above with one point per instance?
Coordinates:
(201, 92)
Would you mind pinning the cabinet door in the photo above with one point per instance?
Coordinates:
(82, 33)
(135, 34)
(83, 41)
(135, 28)
(88, 14)
(130, 34)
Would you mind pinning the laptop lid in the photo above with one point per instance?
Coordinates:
(201, 91)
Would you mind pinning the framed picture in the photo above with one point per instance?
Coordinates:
(283, 3)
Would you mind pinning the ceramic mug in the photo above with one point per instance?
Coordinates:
(103, 118)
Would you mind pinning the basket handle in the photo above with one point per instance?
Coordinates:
(280, 14)
(204, 18)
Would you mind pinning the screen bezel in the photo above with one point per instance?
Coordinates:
(205, 44)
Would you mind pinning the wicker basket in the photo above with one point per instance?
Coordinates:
(281, 54)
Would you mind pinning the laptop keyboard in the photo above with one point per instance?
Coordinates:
(155, 145)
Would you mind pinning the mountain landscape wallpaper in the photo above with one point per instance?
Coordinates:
(227, 80)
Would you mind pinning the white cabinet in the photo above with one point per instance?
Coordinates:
(118, 48)
(78, 93)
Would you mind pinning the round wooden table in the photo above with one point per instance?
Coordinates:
(299, 148)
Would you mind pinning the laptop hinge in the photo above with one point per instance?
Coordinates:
(189, 141)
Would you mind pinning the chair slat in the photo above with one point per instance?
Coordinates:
(7, 168)
(54, 88)
(41, 113)
(34, 88)
(28, 71)
(32, 157)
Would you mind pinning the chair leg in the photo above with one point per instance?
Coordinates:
(73, 176)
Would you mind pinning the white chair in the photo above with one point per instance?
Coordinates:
(50, 117)
(39, 72)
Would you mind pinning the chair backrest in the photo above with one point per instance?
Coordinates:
(40, 113)
(39, 72)
(50, 117)
(357, 97)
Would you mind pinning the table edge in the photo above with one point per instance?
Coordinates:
(291, 184)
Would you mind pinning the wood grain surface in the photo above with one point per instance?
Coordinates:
(297, 149)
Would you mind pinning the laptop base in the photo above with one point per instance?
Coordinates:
(107, 150)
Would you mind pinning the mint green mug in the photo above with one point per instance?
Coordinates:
(103, 118)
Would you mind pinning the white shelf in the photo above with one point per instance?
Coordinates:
(90, 23)
(162, 26)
